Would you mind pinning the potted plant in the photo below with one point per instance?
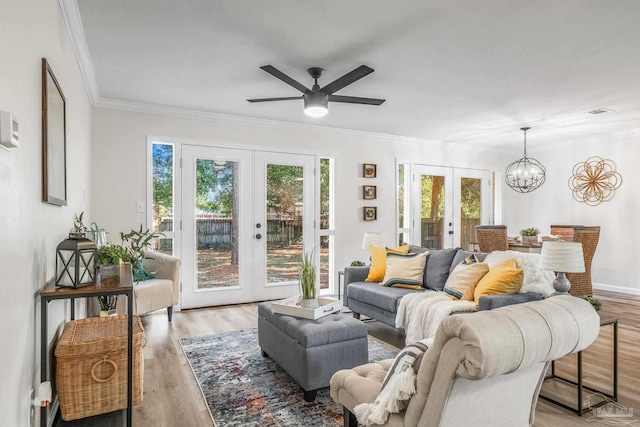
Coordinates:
(109, 259)
(137, 241)
(529, 235)
(308, 280)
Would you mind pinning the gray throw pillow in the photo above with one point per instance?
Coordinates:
(460, 256)
(438, 266)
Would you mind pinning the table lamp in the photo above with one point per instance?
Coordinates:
(562, 257)
(372, 239)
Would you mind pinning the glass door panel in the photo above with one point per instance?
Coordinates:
(217, 223)
(432, 191)
(472, 204)
(217, 218)
(285, 206)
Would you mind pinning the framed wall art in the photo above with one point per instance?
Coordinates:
(370, 213)
(369, 170)
(54, 139)
(369, 192)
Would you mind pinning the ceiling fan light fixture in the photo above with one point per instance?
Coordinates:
(316, 104)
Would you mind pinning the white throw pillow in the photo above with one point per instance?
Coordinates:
(536, 280)
(405, 271)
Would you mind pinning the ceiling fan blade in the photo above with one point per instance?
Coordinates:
(287, 98)
(282, 76)
(347, 79)
(355, 100)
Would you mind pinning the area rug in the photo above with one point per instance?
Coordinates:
(242, 388)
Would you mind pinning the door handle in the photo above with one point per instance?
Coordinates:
(258, 236)
(258, 225)
(450, 231)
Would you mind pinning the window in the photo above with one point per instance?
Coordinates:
(404, 210)
(162, 174)
(327, 227)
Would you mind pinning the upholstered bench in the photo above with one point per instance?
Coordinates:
(311, 351)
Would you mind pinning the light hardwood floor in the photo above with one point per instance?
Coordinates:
(172, 397)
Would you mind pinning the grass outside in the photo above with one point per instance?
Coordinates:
(283, 264)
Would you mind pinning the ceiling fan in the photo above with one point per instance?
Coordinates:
(316, 99)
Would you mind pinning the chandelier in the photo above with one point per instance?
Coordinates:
(525, 174)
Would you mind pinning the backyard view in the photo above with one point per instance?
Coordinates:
(218, 258)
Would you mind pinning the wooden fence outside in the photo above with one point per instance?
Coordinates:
(217, 231)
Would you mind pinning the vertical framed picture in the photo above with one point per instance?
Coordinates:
(54, 140)
(370, 213)
(369, 170)
(369, 192)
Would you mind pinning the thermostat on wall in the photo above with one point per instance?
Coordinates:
(8, 130)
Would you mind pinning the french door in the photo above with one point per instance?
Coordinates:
(447, 205)
(247, 218)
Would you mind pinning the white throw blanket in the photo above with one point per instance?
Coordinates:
(420, 314)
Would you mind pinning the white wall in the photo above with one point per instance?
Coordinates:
(119, 167)
(29, 228)
(614, 265)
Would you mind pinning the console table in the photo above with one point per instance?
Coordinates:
(52, 292)
(580, 409)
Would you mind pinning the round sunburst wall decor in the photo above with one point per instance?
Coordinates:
(594, 181)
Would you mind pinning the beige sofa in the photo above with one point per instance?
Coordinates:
(483, 369)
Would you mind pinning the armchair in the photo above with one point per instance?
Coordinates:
(162, 291)
(483, 369)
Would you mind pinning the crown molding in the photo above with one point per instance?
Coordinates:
(71, 15)
(114, 104)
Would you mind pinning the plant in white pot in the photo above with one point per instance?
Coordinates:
(308, 280)
(529, 235)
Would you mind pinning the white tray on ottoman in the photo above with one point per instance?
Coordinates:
(291, 306)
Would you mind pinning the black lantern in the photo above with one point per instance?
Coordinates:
(76, 262)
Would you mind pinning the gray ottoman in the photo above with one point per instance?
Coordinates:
(311, 351)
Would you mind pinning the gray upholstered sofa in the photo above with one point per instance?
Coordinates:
(381, 303)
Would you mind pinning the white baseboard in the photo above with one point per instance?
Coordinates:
(620, 289)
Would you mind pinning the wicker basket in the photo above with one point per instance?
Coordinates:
(91, 366)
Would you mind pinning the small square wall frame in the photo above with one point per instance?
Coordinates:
(370, 213)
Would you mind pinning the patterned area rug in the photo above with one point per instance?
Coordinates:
(242, 388)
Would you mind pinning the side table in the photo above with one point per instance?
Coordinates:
(580, 410)
(340, 275)
(52, 292)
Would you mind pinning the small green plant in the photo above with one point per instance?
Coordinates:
(111, 254)
(594, 302)
(357, 264)
(531, 231)
(78, 225)
(308, 275)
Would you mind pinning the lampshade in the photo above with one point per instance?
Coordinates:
(525, 174)
(372, 239)
(316, 104)
(565, 257)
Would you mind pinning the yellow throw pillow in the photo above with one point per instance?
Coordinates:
(501, 279)
(405, 270)
(463, 277)
(378, 266)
